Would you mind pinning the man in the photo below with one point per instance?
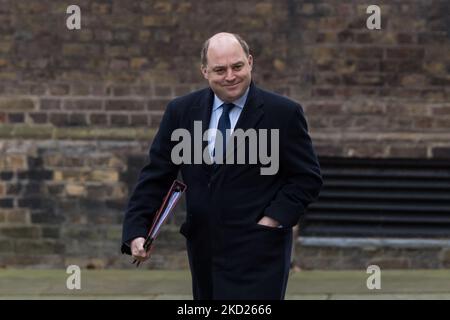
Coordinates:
(239, 222)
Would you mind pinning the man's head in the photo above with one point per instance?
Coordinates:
(227, 65)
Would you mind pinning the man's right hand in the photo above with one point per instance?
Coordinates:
(137, 249)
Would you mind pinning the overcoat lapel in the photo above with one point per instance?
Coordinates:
(202, 113)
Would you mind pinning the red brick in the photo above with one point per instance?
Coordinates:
(119, 120)
(83, 105)
(441, 110)
(405, 38)
(77, 119)
(38, 117)
(364, 53)
(124, 105)
(50, 104)
(139, 120)
(441, 152)
(324, 108)
(323, 92)
(427, 38)
(98, 119)
(120, 90)
(59, 119)
(59, 89)
(408, 152)
(441, 124)
(79, 89)
(157, 104)
(364, 38)
(346, 36)
(16, 117)
(368, 65)
(163, 91)
(405, 53)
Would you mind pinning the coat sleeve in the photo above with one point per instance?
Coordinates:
(300, 170)
(153, 183)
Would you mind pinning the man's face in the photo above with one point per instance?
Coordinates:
(229, 70)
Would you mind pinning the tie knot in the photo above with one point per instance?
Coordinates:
(227, 107)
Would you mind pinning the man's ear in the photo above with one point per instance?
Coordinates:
(204, 71)
(250, 61)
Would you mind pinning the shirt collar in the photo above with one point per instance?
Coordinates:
(238, 102)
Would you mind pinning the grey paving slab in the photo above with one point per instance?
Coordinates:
(166, 285)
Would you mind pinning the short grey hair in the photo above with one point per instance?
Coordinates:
(204, 52)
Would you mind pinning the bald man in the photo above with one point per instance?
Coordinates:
(239, 219)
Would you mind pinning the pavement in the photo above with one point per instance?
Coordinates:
(169, 285)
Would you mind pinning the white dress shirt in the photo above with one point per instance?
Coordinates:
(217, 112)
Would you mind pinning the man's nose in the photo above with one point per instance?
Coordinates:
(230, 75)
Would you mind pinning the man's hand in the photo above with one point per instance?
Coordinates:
(137, 249)
(269, 222)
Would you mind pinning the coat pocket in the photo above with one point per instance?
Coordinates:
(271, 229)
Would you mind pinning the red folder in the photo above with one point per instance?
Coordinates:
(165, 210)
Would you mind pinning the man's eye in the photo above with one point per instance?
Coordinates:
(220, 71)
(237, 67)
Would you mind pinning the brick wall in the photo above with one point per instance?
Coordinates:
(78, 109)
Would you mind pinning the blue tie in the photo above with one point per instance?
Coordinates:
(224, 124)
